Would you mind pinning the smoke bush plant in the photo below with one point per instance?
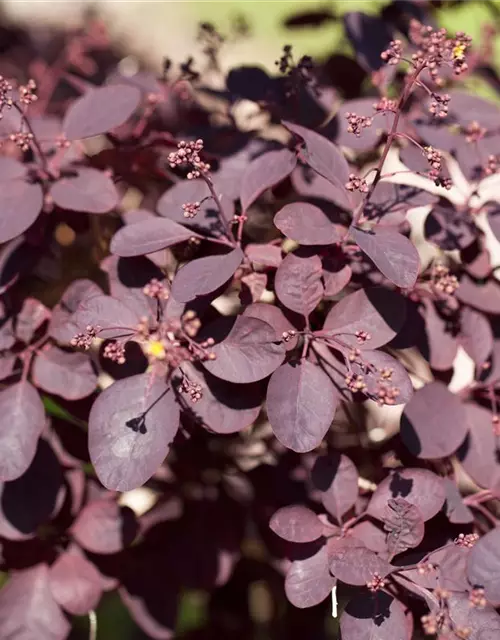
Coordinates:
(278, 290)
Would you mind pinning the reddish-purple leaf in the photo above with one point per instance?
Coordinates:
(386, 380)
(456, 510)
(296, 524)
(265, 171)
(481, 623)
(131, 426)
(336, 477)
(267, 255)
(20, 204)
(69, 375)
(301, 404)
(420, 487)
(483, 566)
(273, 316)
(112, 316)
(391, 252)
(308, 581)
(298, 283)
(30, 319)
(379, 617)
(148, 236)
(105, 527)
(479, 452)
(100, 110)
(11, 169)
(75, 582)
(202, 276)
(28, 609)
(442, 344)
(371, 536)
(307, 224)
(249, 353)
(380, 312)
(485, 297)
(370, 36)
(336, 281)
(61, 327)
(404, 525)
(352, 563)
(90, 190)
(476, 336)
(23, 422)
(434, 422)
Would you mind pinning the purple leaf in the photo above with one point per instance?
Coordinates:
(104, 527)
(75, 582)
(148, 236)
(483, 566)
(20, 204)
(307, 224)
(479, 452)
(263, 172)
(298, 283)
(24, 421)
(434, 422)
(249, 353)
(336, 280)
(404, 525)
(336, 477)
(131, 426)
(90, 190)
(476, 336)
(301, 404)
(370, 36)
(442, 344)
(100, 110)
(264, 254)
(69, 375)
(386, 380)
(391, 252)
(449, 229)
(484, 297)
(379, 617)
(202, 276)
(61, 327)
(481, 623)
(308, 581)
(33, 314)
(371, 536)
(112, 316)
(28, 610)
(420, 487)
(378, 311)
(456, 511)
(296, 524)
(273, 316)
(352, 563)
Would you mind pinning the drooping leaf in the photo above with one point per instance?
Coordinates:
(336, 477)
(20, 204)
(131, 426)
(301, 404)
(434, 422)
(483, 566)
(100, 110)
(476, 336)
(353, 563)
(308, 581)
(265, 171)
(249, 353)
(378, 617)
(404, 525)
(148, 236)
(112, 316)
(103, 526)
(296, 524)
(420, 487)
(90, 190)
(69, 375)
(391, 252)
(28, 609)
(75, 582)
(380, 312)
(298, 283)
(23, 422)
(307, 224)
(202, 276)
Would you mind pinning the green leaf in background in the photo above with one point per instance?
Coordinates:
(55, 410)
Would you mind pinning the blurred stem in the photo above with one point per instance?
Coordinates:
(92, 625)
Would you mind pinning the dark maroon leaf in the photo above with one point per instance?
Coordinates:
(479, 452)
(30, 319)
(264, 172)
(20, 204)
(476, 336)
(307, 224)
(131, 426)
(100, 110)
(28, 609)
(376, 617)
(296, 524)
(442, 344)
(380, 312)
(420, 487)
(352, 563)
(250, 352)
(484, 297)
(273, 316)
(391, 252)
(112, 316)
(404, 525)
(202, 276)
(434, 422)
(148, 236)
(104, 527)
(449, 229)
(301, 404)
(69, 375)
(308, 581)
(370, 36)
(456, 510)
(298, 283)
(336, 477)
(483, 566)
(90, 190)
(75, 582)
(24, 421)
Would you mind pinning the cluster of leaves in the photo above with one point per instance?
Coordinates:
(265, 342)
